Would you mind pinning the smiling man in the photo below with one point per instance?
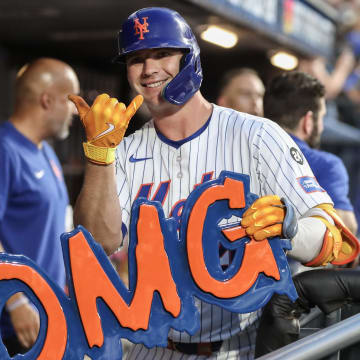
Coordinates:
(189, 141)
(141, 68)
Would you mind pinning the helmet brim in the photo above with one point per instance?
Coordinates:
(153, 44)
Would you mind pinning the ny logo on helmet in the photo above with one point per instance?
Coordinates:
(141, 28)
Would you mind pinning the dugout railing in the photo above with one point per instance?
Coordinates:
(321, 343)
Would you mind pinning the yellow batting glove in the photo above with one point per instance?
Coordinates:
(270, 216)
(105, 123)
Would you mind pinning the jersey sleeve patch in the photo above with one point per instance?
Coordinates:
(297, 155)
(309, 184)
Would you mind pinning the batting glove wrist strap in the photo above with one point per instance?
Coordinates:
(99, 154)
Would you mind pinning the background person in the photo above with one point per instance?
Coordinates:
(33, 196)
(296, 101)
(242, 89)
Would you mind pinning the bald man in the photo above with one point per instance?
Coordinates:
(242, 90)
(33, 196)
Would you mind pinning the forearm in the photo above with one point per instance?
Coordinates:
(16, 297)
(335, 80)
(323, 226)
(319, 237)
(307, 243)
(97, 208)
(343, 67)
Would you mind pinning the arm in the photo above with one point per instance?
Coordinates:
(334, 81)
(24, 318)
(319, 237)
(336, 183)
(303, 202)
(98, 209)
(339, 245)
(271, 216)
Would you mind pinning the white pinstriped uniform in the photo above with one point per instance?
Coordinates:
(230, 141)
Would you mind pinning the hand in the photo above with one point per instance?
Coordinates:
(26, 322)
(315, 67)
(105, 123)
(269, 216)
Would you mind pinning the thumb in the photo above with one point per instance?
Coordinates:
(134, 106)
(81, 105)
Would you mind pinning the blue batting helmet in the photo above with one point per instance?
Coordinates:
(157, 27)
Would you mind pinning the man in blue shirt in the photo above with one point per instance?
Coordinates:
(296, 101)
(33, 196)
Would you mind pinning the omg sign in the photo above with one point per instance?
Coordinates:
(167, 269)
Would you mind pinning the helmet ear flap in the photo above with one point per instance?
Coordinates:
(183, 58)
(184, 85)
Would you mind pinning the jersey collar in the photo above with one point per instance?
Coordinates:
(177, 144)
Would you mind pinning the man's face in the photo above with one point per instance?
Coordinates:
(318, 126)
(245, 93)
(150, 70)
(63, 109)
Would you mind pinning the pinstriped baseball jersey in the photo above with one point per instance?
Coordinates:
(150, 165)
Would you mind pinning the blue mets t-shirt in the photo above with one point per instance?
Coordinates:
(33, 201)
(330, 173)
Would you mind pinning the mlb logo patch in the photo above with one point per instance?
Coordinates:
(309, 184)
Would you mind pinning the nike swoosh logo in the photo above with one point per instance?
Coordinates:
(109, 129)
(132, 159)
(39, 174)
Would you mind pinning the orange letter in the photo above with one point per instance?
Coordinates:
(56, 336)
(153, 273)
(258, 256)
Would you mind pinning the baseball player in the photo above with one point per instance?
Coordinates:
(189, 141)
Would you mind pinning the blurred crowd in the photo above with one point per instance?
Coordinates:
(344, 84)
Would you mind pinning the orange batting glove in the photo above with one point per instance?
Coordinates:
(270, 216)
(105, 123)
